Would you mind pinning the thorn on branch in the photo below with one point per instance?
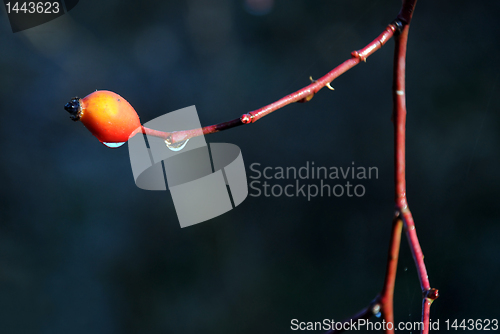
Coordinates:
(328, 84)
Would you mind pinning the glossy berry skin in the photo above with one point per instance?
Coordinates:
(107, 115)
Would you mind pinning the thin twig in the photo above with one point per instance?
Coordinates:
(387, 294)
(399, 119)
(403, 215)
(303, 95)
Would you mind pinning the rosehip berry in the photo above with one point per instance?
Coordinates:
(107, 115)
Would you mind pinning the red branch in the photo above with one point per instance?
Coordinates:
(399, 119)
(387, 294)
(403, 218)
(303, 95)
(183, 135)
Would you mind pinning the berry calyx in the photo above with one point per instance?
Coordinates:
(107, 115)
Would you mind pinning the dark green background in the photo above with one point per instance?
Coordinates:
(83, 250)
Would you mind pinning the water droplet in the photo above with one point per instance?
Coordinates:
(113, 145)
(378, 315)
(376, 309)
(176, 147)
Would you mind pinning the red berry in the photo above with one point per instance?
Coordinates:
(107, 115)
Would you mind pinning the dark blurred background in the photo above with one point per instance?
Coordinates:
(83, 250)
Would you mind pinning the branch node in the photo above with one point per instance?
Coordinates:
(246, 118)
(356, 54)
(398, 25)
(431, 294)
(311, 78)
(329, 86)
